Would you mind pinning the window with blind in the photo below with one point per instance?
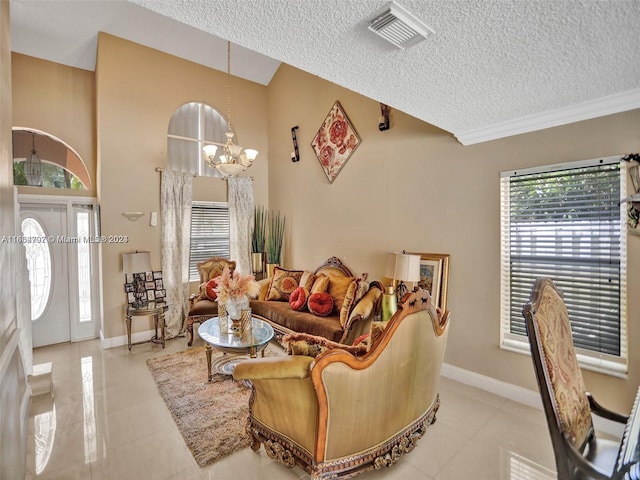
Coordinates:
(565, 222)
(209, 234)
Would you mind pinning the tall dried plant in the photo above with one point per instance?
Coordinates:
(275, 237)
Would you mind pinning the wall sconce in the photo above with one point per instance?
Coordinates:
(133, 216)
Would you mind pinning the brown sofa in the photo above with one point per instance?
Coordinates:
(337, 415)
(285, 320)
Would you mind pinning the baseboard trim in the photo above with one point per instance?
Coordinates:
(517, 394)
(113, 342)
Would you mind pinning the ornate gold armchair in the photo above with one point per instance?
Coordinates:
(201, 306)
(578, 452)
(337, 415)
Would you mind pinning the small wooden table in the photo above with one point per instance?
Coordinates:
(156, 309)
(250, 342)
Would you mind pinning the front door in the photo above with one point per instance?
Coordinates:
(47, 261)
(62, 270)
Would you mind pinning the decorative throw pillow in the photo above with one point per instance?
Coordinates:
(320, 304)
(312, 346)
(320, 284)
(307, 279)
(213, 267)
(338, 287)
(210, 289)
(298, 299)
(283, 283)
(356, 290)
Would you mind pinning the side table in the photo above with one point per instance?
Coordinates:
(156, 309)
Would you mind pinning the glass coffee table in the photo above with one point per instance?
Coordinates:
(250, 342)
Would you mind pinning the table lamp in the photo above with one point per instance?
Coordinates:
(138, 262)
(401, 267)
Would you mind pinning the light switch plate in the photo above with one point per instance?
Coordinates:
(153, 221)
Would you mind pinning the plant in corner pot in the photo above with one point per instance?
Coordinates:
(234, 291)
(275, 239)
(258, 238)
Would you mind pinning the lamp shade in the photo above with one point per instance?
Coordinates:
(403, 266)
(136, 262)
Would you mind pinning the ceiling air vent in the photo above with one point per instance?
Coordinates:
(396, 25)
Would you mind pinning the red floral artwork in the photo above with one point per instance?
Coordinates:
(335, 141)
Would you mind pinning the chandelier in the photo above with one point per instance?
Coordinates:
(234, 158)
(33, 165)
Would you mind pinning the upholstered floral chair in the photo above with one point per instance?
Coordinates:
(203, 305)
(567, 405)
(345, 412)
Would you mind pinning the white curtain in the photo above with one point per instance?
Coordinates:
(175, 209)
(241, 222)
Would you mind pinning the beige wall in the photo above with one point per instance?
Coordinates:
(58, 100)
(415, 187)
(138, 89)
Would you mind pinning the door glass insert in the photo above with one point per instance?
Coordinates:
(84, 266)
(39, 265)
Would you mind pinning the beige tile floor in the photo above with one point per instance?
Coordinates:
(107, 421)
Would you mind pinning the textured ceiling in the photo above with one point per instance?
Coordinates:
(492, 68)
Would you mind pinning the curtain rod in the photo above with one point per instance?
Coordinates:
(160, 169)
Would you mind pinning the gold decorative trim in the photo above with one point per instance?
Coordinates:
(387, 454)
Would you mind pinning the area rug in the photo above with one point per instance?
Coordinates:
(211, 416)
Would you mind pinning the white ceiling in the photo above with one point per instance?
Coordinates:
(492, 69)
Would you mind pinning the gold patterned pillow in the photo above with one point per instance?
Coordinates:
(283, 283)
(320, 284)
(338, 287)
(307, 279)
(356, 290)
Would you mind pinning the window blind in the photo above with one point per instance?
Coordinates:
(209, 234)
(566, 223)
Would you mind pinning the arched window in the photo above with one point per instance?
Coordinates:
(54, 163)
(191, 127)
(39, 265)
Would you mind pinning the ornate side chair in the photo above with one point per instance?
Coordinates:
(201, 305)
(338, 415)
(567, 405)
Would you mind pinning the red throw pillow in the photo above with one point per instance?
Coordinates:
(320, 304)
(298, 299)
(210, 289)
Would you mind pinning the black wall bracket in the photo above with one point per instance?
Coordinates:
(295, 155)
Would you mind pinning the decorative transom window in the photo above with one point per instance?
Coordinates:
(565, 222)
(39, 265)
(192, 126)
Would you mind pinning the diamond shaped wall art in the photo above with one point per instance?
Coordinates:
(335, 142)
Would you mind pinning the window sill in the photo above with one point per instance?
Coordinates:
(599, 365)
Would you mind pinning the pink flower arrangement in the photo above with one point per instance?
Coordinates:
(235, 286)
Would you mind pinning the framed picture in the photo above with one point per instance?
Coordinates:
(434, 276)
(144, 286)
(335, 141)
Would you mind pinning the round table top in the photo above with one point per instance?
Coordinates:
(259, 335)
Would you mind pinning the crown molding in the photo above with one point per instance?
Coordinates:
(609, 105)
